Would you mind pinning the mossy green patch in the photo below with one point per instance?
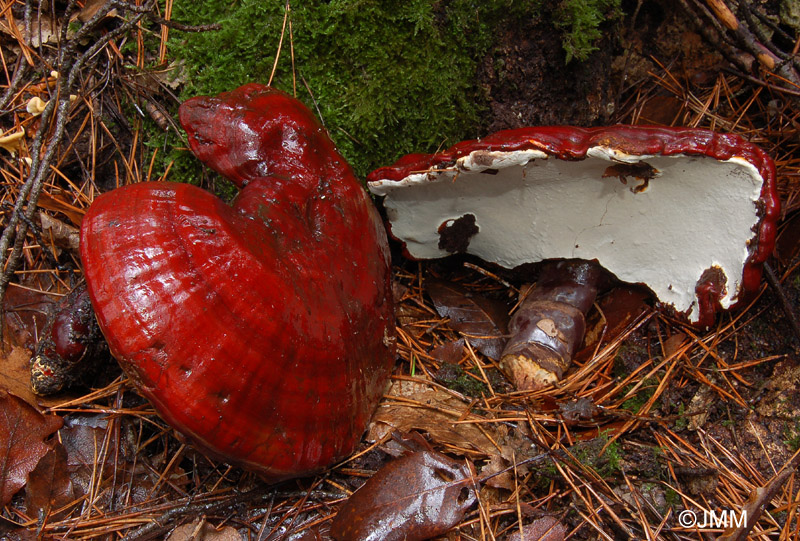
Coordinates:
(791, 435)
(580, 20)
(642, 396)
(386, 78)
(454, 377)
(598, 454)
(682, 421)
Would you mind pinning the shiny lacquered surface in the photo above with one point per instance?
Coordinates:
(263, 331)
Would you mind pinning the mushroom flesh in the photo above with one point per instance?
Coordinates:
(689, 213)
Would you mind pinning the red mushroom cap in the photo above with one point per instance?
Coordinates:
(263, 331)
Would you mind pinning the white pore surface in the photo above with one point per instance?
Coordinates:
(697, 213)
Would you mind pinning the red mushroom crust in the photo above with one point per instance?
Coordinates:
(263, 331)
(571, 143)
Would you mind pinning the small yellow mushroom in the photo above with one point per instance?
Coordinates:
(13, 141)
(36, 106)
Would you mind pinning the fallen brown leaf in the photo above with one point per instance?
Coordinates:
(23, 431)
(450, 352)
(49, 485)
(496, 465)
(617, 309)
(43, 29)
(482, 321)
(416, 497)
(56, 204)
(200, 530)
(95, 462)
(541, 529)
(90, 7)
(15, 374)
(673, 343)
(424, 407)
(24, 314)
(84, 438)
(63, 235)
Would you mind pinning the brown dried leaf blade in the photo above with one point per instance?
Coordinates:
(24, 314)
(416, 497)
(49, 486)
(483, 321)
(199, 530)
(23, 430)
(15, 374)
(541, 529)
(95, 457)
(421, 406)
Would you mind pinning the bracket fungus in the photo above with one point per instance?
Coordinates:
(689, 213)
(262, 330)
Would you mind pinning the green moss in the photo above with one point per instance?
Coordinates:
(791, 435)
(645, 392)
(681, 422)
(605, 463)
(672, 497)
(597, 454)
(580, 20)
(544, 473)
(386, 78)
(790, 13)
(457, 379)
(613, 456)
(386, 81)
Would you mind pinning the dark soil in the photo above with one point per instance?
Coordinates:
(529, 82)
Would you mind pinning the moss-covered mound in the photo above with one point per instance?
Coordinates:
(387, 78)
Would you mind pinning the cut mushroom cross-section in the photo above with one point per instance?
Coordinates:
(687, 212)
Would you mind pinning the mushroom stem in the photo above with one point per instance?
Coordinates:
(549, 325)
